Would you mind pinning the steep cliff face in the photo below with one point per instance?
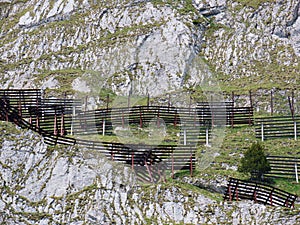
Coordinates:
(254, 46)
(132, 46)
(69, 185)
(146, 46)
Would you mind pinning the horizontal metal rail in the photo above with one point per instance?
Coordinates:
(277, 127)
(148, 158)
(283, 167)
(258, 192)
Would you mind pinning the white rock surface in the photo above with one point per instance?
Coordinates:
(42, 185)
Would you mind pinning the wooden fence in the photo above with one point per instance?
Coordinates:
(150, 162)
(63, 116)
(258, 192)
(195, 124)
(283, 167)
(277, 127)
(12, 115)
(53, 115)
(21, 97)
(225, 112)
(105, 121)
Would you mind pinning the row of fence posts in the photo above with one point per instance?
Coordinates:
(158, 122)
(169, 104)
(184, 134)
(172, 164)
(206, 137)
(37, 119)
(291, 101)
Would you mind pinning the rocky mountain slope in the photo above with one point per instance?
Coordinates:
(132, 47)
(69, 185)
(148, 46)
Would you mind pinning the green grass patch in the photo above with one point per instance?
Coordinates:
(253, 3)
(288, 185)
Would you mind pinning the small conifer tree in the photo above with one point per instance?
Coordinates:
(254, 162)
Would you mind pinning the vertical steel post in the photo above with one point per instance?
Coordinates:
(206, 136)
(272, 104)
(148, 101)
(55, 124)
(122, 118)
(141, 121)
(85, 104)
(295, 130)
(232, 111)
(249, 117)
(250, 98)
(173, 164)
(103, 127)
(73, 118)
(262, 132)
(291, 106)
(20, 109)
(184, 137)
(169, 103)
(296, 172)
(132, 160)
(107, 102)
(62, 125)
(128, 101)
(191, 162)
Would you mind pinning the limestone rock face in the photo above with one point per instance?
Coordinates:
(72, 185)
(129, 46)
(140, 47)
(254, 45)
